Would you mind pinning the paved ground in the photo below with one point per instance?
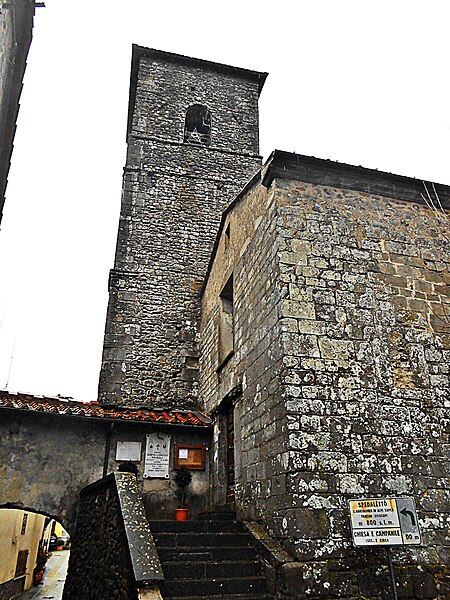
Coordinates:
(53, 582)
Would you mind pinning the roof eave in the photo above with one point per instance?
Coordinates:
(204, 425)
(288, 165)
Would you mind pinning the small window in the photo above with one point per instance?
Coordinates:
(197, 127)
(226, 324)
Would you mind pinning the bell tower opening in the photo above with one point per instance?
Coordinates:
(197, 127)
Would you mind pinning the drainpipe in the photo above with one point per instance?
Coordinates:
(107, 449)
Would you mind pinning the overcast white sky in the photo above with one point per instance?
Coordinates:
(363, 82)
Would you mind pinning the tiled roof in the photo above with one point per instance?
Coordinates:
(68, 407)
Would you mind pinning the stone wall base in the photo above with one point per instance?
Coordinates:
(326, 580)
(355, 577)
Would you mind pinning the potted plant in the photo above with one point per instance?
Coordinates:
(41, 560)
(183, 478)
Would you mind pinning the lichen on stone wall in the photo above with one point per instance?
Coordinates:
(173, 195)
(353, 400)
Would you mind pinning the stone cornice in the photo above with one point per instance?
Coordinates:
(287, 165)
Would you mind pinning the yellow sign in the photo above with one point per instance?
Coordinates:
(384, 521)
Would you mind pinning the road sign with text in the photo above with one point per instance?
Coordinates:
(384, 522)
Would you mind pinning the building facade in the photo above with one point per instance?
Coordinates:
(22, 535)
(313, 330)
(324, 327)
(335, 379)
(16, 27)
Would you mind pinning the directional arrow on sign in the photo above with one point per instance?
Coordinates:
(408, 513)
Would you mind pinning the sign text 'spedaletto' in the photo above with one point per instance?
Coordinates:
(384, 521)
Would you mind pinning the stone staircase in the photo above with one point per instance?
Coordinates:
(208, 559)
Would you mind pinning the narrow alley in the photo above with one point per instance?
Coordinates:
(52, 584)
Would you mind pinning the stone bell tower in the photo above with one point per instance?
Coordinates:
(192, 145)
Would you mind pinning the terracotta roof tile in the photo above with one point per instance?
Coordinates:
(69, 407)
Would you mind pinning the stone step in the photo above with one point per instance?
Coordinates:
(216, 586)
(226, 514)
(210, 558)
(189, 554)
(207, 570)
(202, 526)
(200, 540)
(222, 597)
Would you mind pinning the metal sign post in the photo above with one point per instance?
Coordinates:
(392, 574)
(384, 522)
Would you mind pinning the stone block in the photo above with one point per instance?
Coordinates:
(303, 580)
(343, 584)
(307, 523)
(300, 293)
(298, 310)
(300, 345)
(424, 584)
(335, 349)
(293, 258)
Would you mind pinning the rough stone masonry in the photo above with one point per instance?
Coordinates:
(192, 144)
(324, 328)
(341, 360)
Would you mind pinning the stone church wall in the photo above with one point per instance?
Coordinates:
(353, 402)
(260, 432)
(367, 354)
(365, 285)
(173, 195)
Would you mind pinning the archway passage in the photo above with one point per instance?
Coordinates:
(28, 540)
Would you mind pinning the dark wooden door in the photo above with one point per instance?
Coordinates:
(229, 424)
